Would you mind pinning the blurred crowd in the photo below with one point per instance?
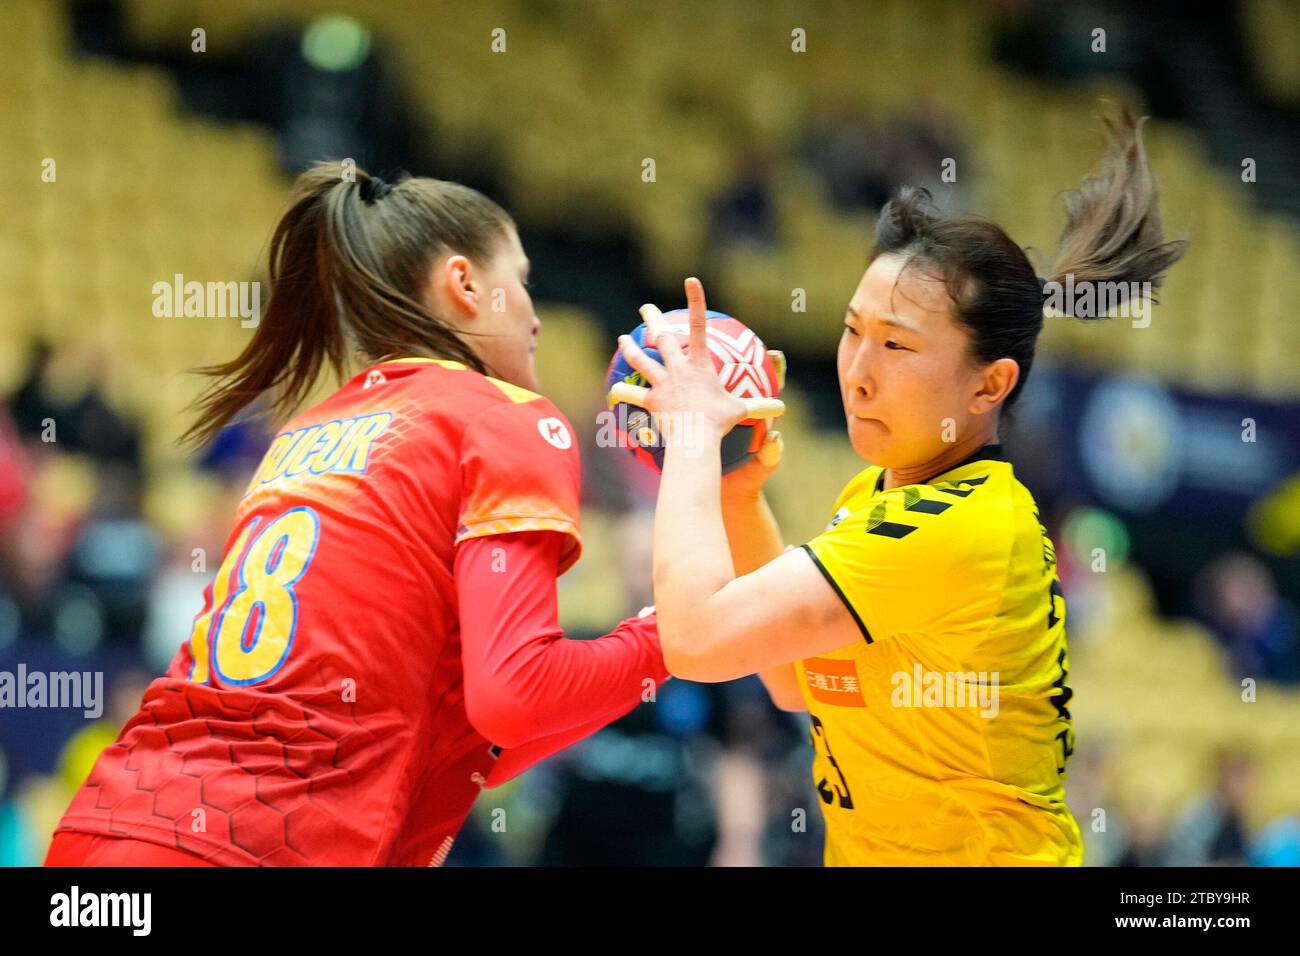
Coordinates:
(104, 553)
(96, 575)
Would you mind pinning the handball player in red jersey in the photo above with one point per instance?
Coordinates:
(381, 639)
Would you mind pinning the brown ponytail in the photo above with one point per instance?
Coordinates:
(348, 265)
(1112, 229)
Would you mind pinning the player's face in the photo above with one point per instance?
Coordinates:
(906, 376)
(506, 319)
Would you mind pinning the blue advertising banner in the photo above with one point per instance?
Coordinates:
(1142, 448)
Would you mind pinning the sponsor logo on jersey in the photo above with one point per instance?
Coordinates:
(834, 681)
(555, 432)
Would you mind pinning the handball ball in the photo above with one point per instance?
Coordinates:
(745, 366)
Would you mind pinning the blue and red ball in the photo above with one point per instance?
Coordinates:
(745, 366)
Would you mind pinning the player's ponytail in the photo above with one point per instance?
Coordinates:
(1113, 233)
(348, 267)
(1112, 236)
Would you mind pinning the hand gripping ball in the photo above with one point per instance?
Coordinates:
(745, 366)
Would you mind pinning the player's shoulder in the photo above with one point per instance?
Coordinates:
(992, 518)
(455, 384)
(968, 512)
(452, 390)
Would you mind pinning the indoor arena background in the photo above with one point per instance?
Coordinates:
(638, 142)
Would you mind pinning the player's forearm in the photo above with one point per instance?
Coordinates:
(692, 556)
(752, 532)
(523, 679)
(755, 539)
(782, 683)
(516, 760)
(690, 567)
(552, 684)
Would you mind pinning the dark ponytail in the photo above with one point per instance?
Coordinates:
(1112, 234)
(348, 267)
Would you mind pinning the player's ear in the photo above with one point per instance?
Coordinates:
(455, 284)
(996, 380)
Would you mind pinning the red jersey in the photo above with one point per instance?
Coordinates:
(317, 713)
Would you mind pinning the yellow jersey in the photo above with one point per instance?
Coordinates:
(941, 737)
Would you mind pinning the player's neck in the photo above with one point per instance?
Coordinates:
(951, 456)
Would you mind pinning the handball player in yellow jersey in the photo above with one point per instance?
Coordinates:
(924, 629)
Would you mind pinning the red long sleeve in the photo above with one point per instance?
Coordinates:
(511, 763)
(524, 681)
